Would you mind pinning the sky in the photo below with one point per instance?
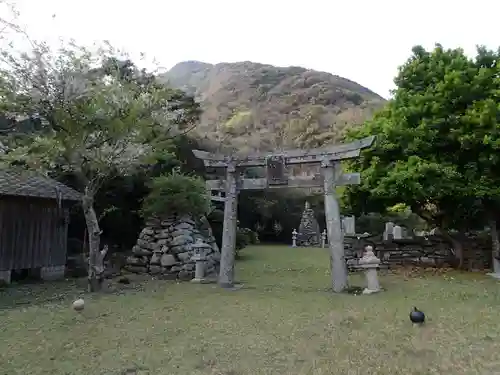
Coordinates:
(364, 40)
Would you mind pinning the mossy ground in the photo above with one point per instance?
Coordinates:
(284, 321)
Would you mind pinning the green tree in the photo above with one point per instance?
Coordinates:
(97, 123)
(176, 194)
(437, 141)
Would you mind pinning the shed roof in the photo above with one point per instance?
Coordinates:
(29, 184)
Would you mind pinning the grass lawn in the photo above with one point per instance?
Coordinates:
(285, 321)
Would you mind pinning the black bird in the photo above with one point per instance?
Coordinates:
(417, 316)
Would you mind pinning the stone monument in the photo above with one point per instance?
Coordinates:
(309, 233)
(370, 264)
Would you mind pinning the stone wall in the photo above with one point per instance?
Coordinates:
(433, 251)
(165, 248)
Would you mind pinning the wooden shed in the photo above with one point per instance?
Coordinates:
(34, 218)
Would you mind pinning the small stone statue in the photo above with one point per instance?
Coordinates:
(323, 238)
(370, 263)
(294, 238)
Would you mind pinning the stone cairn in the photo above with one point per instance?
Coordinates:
(166, 248)
(309, 233)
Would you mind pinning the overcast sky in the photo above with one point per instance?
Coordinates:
(364, 40)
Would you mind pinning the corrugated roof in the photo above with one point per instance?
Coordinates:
(30, 184)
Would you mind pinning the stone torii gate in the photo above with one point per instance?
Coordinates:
(329, 158)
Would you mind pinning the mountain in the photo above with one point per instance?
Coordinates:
(249, 106)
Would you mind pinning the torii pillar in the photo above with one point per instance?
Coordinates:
(226, 273)
(331, 172)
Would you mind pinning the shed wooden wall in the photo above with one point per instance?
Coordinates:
(31, 234)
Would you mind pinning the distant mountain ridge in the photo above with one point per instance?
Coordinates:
(249, 106)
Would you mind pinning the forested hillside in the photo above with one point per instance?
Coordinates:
(249, 106)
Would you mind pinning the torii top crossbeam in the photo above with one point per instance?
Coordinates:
(331, 153)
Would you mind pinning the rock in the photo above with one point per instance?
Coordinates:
(188, 267)
(79, 305)
(152, 223)
(155, 259)
(187, 220)
(186, 276)
(156, 247)
(162, 234)
(167, 260)
(180, 249)
(181, 240)
(184, 257)
(162, 241)
(145, 237)
(136, 250)
(137, 269)
(182, 232)
(184, 225)
(136, 261)
(144, 244)
(155, 270)
(176, 269)
(168, 276)
(147, 231)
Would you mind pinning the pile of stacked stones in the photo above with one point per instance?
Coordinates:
(309, 233)
(165, 248)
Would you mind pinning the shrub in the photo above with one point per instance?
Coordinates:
(245, 237)
(176, 194)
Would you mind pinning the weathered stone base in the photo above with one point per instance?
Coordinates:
(5, 277)
(371, 291)
(203, 281)
(52, 273)
(494, 275)
(231, 286)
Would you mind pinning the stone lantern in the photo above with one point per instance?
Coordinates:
(294, 238)
(324, 236)
(199, 258)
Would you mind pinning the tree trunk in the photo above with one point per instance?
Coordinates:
(96, 257)
(495, 242)
(457, 248)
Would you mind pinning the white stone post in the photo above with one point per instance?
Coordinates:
(397, 232)
(389, 231)
(349, 225)
(294, 238)
(370, 264)
(323, 238)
